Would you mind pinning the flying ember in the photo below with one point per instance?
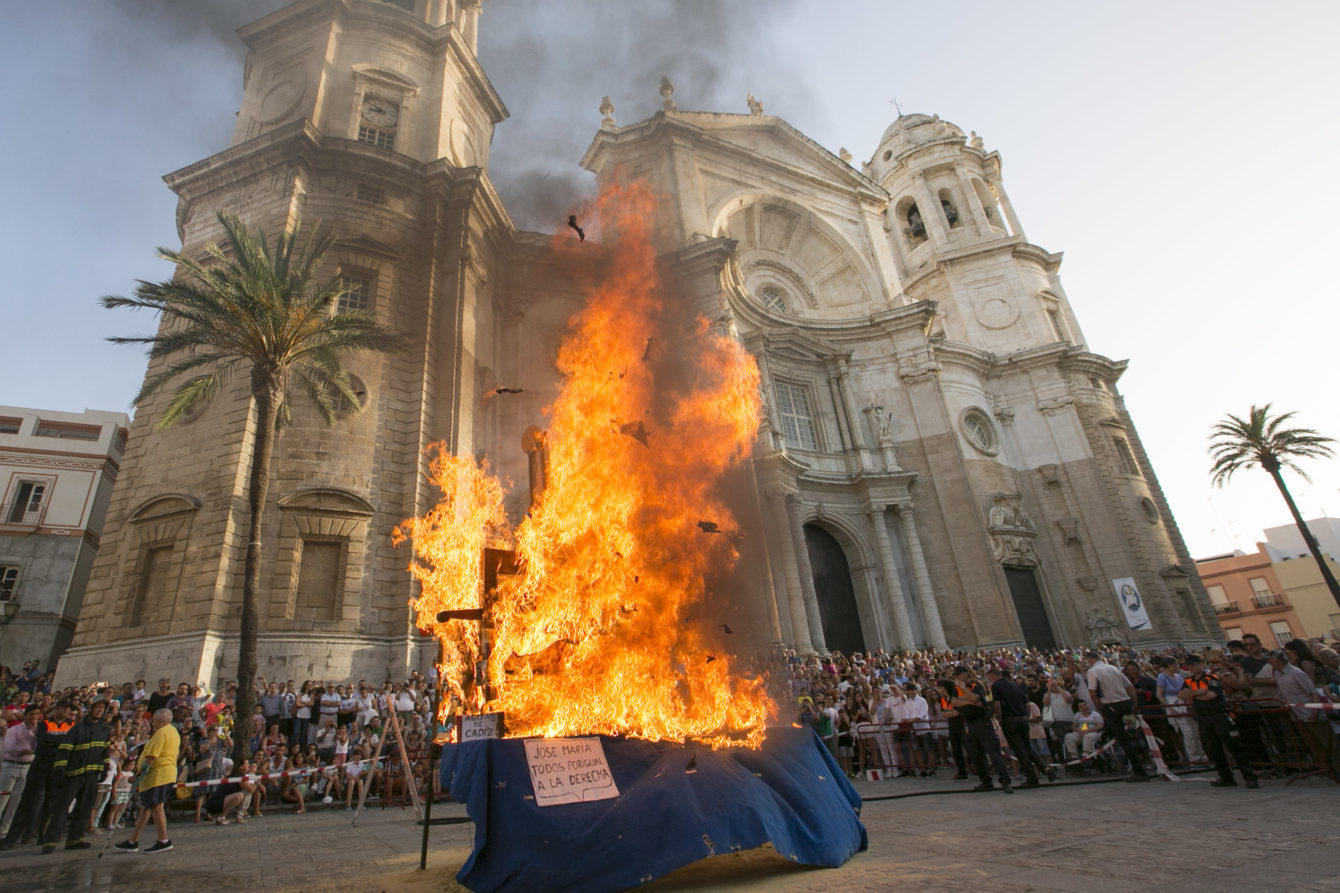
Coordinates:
(597, 631)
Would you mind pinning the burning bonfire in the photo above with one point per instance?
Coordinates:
(600, 628)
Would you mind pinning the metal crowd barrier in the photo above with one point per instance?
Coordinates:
(1272, 739)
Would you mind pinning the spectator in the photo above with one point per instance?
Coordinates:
(1296, 688)
(19, 745)
(919, 751)
(1087, 729)
(302, 716)
(348, 706)
(294, 784)
(271, 703)
(209, 765)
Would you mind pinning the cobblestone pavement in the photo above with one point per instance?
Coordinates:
(1063, 837)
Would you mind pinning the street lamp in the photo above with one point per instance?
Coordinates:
(11, 608)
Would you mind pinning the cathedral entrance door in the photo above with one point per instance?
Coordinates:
(1032, 613)
(836, 595)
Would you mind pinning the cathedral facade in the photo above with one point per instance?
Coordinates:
(942, 462)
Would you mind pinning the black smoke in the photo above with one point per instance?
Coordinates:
(551, 61)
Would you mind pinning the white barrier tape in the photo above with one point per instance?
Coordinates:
(1155, 752)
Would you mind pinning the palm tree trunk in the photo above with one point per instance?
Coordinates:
(265, 391)
(1308, 538)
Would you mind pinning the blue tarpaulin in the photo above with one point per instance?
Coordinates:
(677, 804)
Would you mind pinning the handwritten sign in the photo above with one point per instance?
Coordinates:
(569, 770)
(479, 727)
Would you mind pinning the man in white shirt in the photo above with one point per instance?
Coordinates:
(916, 749)
(1114, 696)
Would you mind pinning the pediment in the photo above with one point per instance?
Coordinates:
(327, 500)
(386, 78)
(769, 138)
(367, 246)
(793, 344)
(164, 505)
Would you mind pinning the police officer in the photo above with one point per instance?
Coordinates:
(947, 710)
(1206, 695)
(970, 700)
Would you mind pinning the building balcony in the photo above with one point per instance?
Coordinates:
(1268, 601)
(1226, 608)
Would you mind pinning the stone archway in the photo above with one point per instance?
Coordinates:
(834, 592)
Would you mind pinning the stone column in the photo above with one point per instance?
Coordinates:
(772, 436)
(795, 600)
(849, 408)
(902, 624)
(930, 611)
(1007, 208)
(974, 203)
(806, 573)
(845, 434)
(931, 214)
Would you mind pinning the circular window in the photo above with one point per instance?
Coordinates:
(342, 405)
(196, 411)
(1149, 510)
(979, 431)
(771, 297)
(888, 153)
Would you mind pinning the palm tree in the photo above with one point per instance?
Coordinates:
(257, 308)
(1261, 439)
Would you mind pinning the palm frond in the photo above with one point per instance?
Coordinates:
(195, 393)
(1261, 440)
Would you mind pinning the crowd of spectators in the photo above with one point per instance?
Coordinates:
(896, 712)
(313, 743)
(910, 713)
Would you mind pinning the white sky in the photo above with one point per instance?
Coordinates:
(1177, 153)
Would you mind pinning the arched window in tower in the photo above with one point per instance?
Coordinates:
(914, 227)
(990, 207)
(948, 207)
(407, 5)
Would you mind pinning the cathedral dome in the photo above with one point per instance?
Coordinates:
(913, 130)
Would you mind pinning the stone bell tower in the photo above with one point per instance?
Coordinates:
(372, 118)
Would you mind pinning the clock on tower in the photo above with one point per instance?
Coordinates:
(377, 123)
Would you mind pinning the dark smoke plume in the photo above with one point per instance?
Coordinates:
(551, 61)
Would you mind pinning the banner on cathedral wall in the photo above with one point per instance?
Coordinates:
(1132, 604)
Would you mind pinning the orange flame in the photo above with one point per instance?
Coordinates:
(597, 633)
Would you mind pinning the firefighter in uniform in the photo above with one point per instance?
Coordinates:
(970, 700)
(79, 766)
(1217, 731)
(955, 728)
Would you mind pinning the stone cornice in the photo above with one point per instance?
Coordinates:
(1093, 364)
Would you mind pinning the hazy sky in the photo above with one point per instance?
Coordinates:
(1177, 153)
